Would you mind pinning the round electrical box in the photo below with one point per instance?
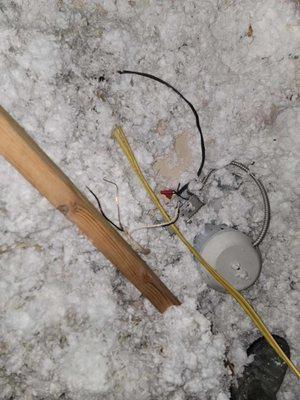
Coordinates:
(231, 253)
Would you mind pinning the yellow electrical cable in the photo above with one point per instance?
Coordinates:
(120, 137)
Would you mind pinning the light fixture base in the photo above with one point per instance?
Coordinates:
(231, 253)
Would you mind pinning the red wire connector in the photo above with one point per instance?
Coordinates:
(168, 193)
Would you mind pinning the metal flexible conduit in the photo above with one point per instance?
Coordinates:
(266, 202)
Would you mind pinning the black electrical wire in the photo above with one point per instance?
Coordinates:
(120, 228)
(155, 78)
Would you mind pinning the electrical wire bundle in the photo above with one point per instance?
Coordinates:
(120, 137)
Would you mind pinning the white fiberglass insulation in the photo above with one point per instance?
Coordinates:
(71, 326)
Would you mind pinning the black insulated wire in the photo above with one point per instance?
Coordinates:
(155, 78)
(120, 228)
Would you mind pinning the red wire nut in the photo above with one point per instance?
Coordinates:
(168, 193)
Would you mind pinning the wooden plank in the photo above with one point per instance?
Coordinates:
(33, 163)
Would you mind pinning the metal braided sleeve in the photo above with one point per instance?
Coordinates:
(266, 202)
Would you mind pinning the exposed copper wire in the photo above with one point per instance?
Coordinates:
(122, 228)
(117, 200)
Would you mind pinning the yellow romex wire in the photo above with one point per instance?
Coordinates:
(119, 136)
